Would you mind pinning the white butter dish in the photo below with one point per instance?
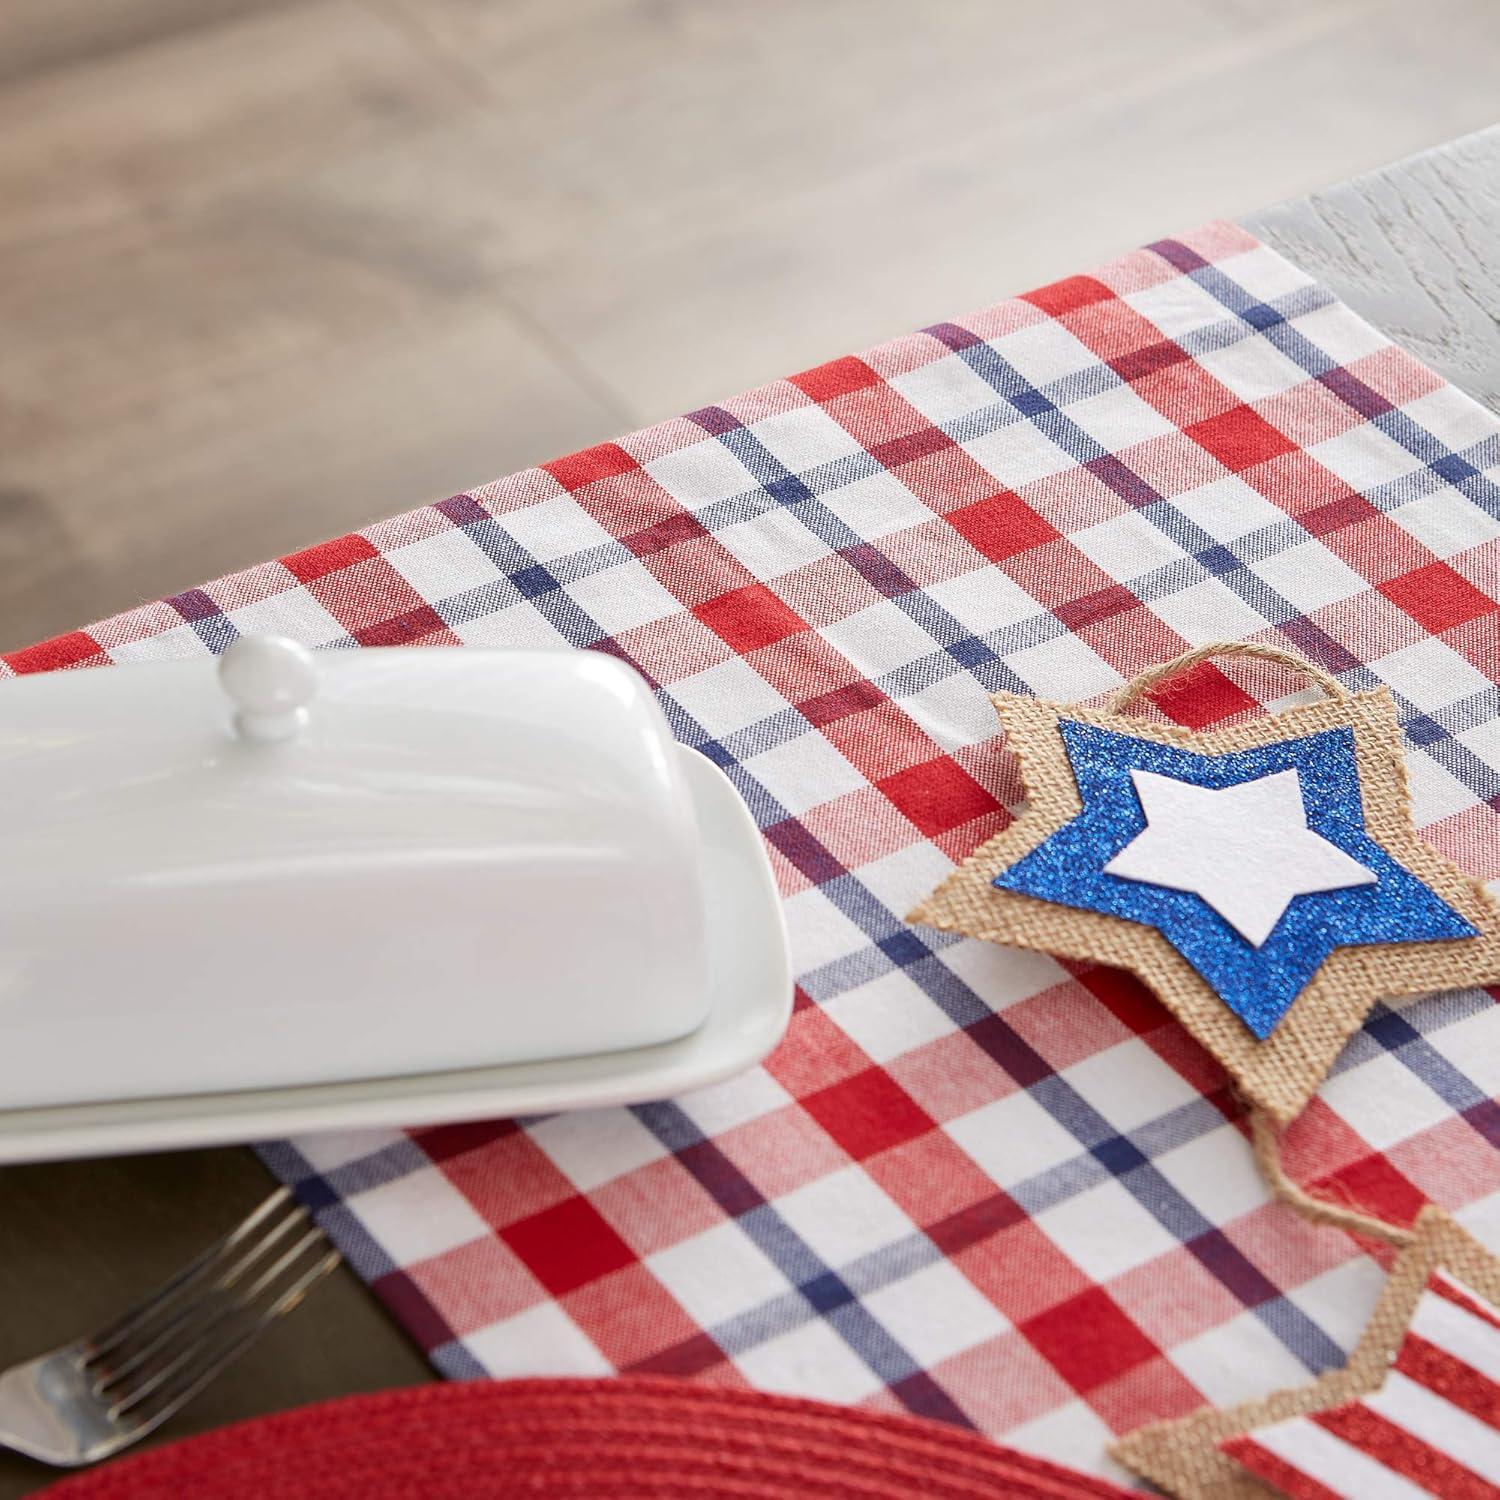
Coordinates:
(370, 871)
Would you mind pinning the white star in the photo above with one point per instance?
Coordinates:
(1246, 850)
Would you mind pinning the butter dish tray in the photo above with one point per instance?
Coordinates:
(376, 889)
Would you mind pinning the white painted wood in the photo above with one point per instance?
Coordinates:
(1415, 248)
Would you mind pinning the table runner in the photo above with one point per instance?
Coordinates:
(972, 1184)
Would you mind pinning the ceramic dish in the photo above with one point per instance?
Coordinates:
(750, 997)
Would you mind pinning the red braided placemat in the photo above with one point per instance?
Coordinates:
(628, 1438)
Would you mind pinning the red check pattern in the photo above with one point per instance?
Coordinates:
(972, 1184)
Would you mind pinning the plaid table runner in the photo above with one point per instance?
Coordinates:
(972, 1183)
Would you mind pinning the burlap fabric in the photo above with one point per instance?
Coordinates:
(1280, 1073)
(1182, 1455)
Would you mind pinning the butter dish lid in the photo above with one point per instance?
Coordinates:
(283, 868)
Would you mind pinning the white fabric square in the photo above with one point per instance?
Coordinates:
(1208, 611)
(337, 1148)
(1482, 1217)
(1430, 673)
(1341, 1300)
(726, 697)
(717, 1275)
(804, 438)
(1013, 1139)
(772, 543)
(1310, 577)
(1238, 1360)
(899, 880)
(804, 772)
(444, 564)
(954, 711)
(1483, 739)
(1130, 1085)
(811, 1357)
(879, 639)
(1126, 546)
(1435, 792)
(1105, 1232)
(178, 642)
(622, 598)
(1446, 523)
(520, 624)
(819, 931)
(702, 473)
(1216, 1174)
(543, 1340)
(887, 1017)
(1342, 336)
(1003, 976)
(876, 505)
(1253, 369)
(1267, 274)
(555, 528)
(1384, 1101)
(1451, 417)
(1018, 453)
(1065, 1433)
(1118, 418)
(1227, 508)
(1066, 667)
(295, 613)
(985, 599)
(417, 1216)
(843, 1216)
(935, 1313)
(1178, 307)
(946, 389)
(1044, 352)
(722, 1106)
(594, 1147)
(1364, 457)
(1472, 1040)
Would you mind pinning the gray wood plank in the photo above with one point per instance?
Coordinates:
(1415, 249)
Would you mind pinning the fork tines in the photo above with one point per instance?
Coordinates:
(161, 1352)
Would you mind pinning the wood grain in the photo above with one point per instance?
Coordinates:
(270, 270)
(1414, 248)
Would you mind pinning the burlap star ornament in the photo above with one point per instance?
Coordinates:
(1416, 1401)
(1264, 880)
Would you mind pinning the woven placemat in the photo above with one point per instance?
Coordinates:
(638, 1438)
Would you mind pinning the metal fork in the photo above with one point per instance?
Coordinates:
(90, 1398)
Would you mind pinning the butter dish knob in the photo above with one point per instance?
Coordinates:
(270, 681)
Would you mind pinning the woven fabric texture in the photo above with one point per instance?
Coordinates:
(642, 1438)
(973, 1183)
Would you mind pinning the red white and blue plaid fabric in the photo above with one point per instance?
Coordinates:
(971, 1184)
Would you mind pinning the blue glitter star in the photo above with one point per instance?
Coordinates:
(1257, 984)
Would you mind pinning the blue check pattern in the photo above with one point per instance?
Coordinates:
(971, 1184)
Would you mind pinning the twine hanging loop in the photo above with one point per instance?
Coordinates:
(1160, 672)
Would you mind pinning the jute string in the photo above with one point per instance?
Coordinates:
(1155, 675)
(1267, 1145)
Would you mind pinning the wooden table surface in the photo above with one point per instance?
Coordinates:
(1415, 248)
